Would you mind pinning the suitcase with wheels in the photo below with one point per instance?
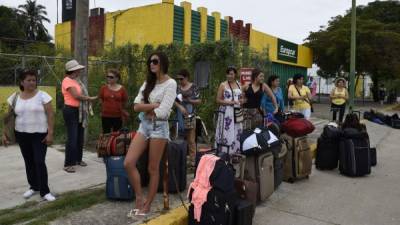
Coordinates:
(260, 169)
(328, 149)
(177, 151)
(355, 154)
(298, 161)
(373, 157)
(243, 213)
(117, 184)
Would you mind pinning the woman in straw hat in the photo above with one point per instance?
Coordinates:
(339, 96)
(75, 112)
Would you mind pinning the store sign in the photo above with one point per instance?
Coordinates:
(245, 75)
(287, 51)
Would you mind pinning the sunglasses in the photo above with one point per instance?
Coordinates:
(154, 62)
(110, 77)
(179, 78)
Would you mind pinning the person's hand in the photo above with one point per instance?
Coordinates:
(150, 115)
(156, 105)
(236, 103)
(184, 111)
(48, 140)
(4, 140)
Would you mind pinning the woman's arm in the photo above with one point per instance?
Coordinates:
(181, 108)
(74, 93)
(167, 101)
(48, 140)
(142, 107)
(269, 92)
(346, 94)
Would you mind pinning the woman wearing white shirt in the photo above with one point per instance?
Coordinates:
(154, 102)
(34, 124)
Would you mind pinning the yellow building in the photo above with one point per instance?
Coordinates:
(166, 22)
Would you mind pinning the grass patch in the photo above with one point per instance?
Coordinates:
(44, 213)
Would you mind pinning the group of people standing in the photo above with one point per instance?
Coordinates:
(240, 107)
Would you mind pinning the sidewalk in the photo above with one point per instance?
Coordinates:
(325, 198)
(14, 182)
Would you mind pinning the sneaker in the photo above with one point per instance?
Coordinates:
(82, 163)
(29, 193)
(49, 197)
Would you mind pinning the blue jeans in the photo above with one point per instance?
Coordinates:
(75, 131)
(34, 153)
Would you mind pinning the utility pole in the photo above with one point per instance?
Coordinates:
(81, 42)
(352, 55)
(81, 37)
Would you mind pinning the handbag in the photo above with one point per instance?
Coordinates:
(297, 127)
(238, 114)
(306, 100)
(114, 144)
(189, 121)
(9, 121)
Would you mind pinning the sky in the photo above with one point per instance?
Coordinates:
(291, 20)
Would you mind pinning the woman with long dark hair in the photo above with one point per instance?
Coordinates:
(154, 102)
(253, 94)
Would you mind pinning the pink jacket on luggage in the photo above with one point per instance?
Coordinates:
(201, 184)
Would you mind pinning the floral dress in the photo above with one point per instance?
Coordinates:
(228, 132)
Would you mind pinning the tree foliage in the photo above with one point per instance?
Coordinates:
(378, 42)
(34, 16)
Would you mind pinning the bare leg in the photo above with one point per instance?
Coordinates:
(156, 150)
(136, 148)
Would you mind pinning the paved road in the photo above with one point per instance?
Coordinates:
(328, 198)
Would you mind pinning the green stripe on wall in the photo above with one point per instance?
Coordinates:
(195, 27)
(210, 28)
(179, 23)
(224, 29)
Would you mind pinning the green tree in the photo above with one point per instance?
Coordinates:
(378, 42)
(34, 15)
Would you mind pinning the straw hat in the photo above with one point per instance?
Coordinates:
(73, 65)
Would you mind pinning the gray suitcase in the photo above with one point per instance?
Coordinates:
(298, 160)
(260, 169)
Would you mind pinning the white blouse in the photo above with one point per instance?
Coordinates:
(164, 93)
(31, 115)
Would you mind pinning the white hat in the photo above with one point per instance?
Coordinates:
(73, 65)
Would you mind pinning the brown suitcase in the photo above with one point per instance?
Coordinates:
(247, 190)
(298, 161)
(260, 169)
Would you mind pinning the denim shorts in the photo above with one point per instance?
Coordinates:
(154, 129)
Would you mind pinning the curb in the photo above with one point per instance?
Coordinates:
(177, 216)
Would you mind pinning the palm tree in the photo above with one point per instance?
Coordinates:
(34, 15)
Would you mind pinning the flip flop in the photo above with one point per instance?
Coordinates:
(141, 214)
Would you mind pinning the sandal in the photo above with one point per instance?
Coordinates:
(132, 213)
(69, 169)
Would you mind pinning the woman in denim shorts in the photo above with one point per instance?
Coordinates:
(154, 102)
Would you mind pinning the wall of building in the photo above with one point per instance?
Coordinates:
(63, 36)
(260, 40)
(152, 24)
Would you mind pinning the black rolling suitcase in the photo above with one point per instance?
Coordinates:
(328, 148)
(373, 157)
(354, 153)
(243, 213)
(177, 152)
